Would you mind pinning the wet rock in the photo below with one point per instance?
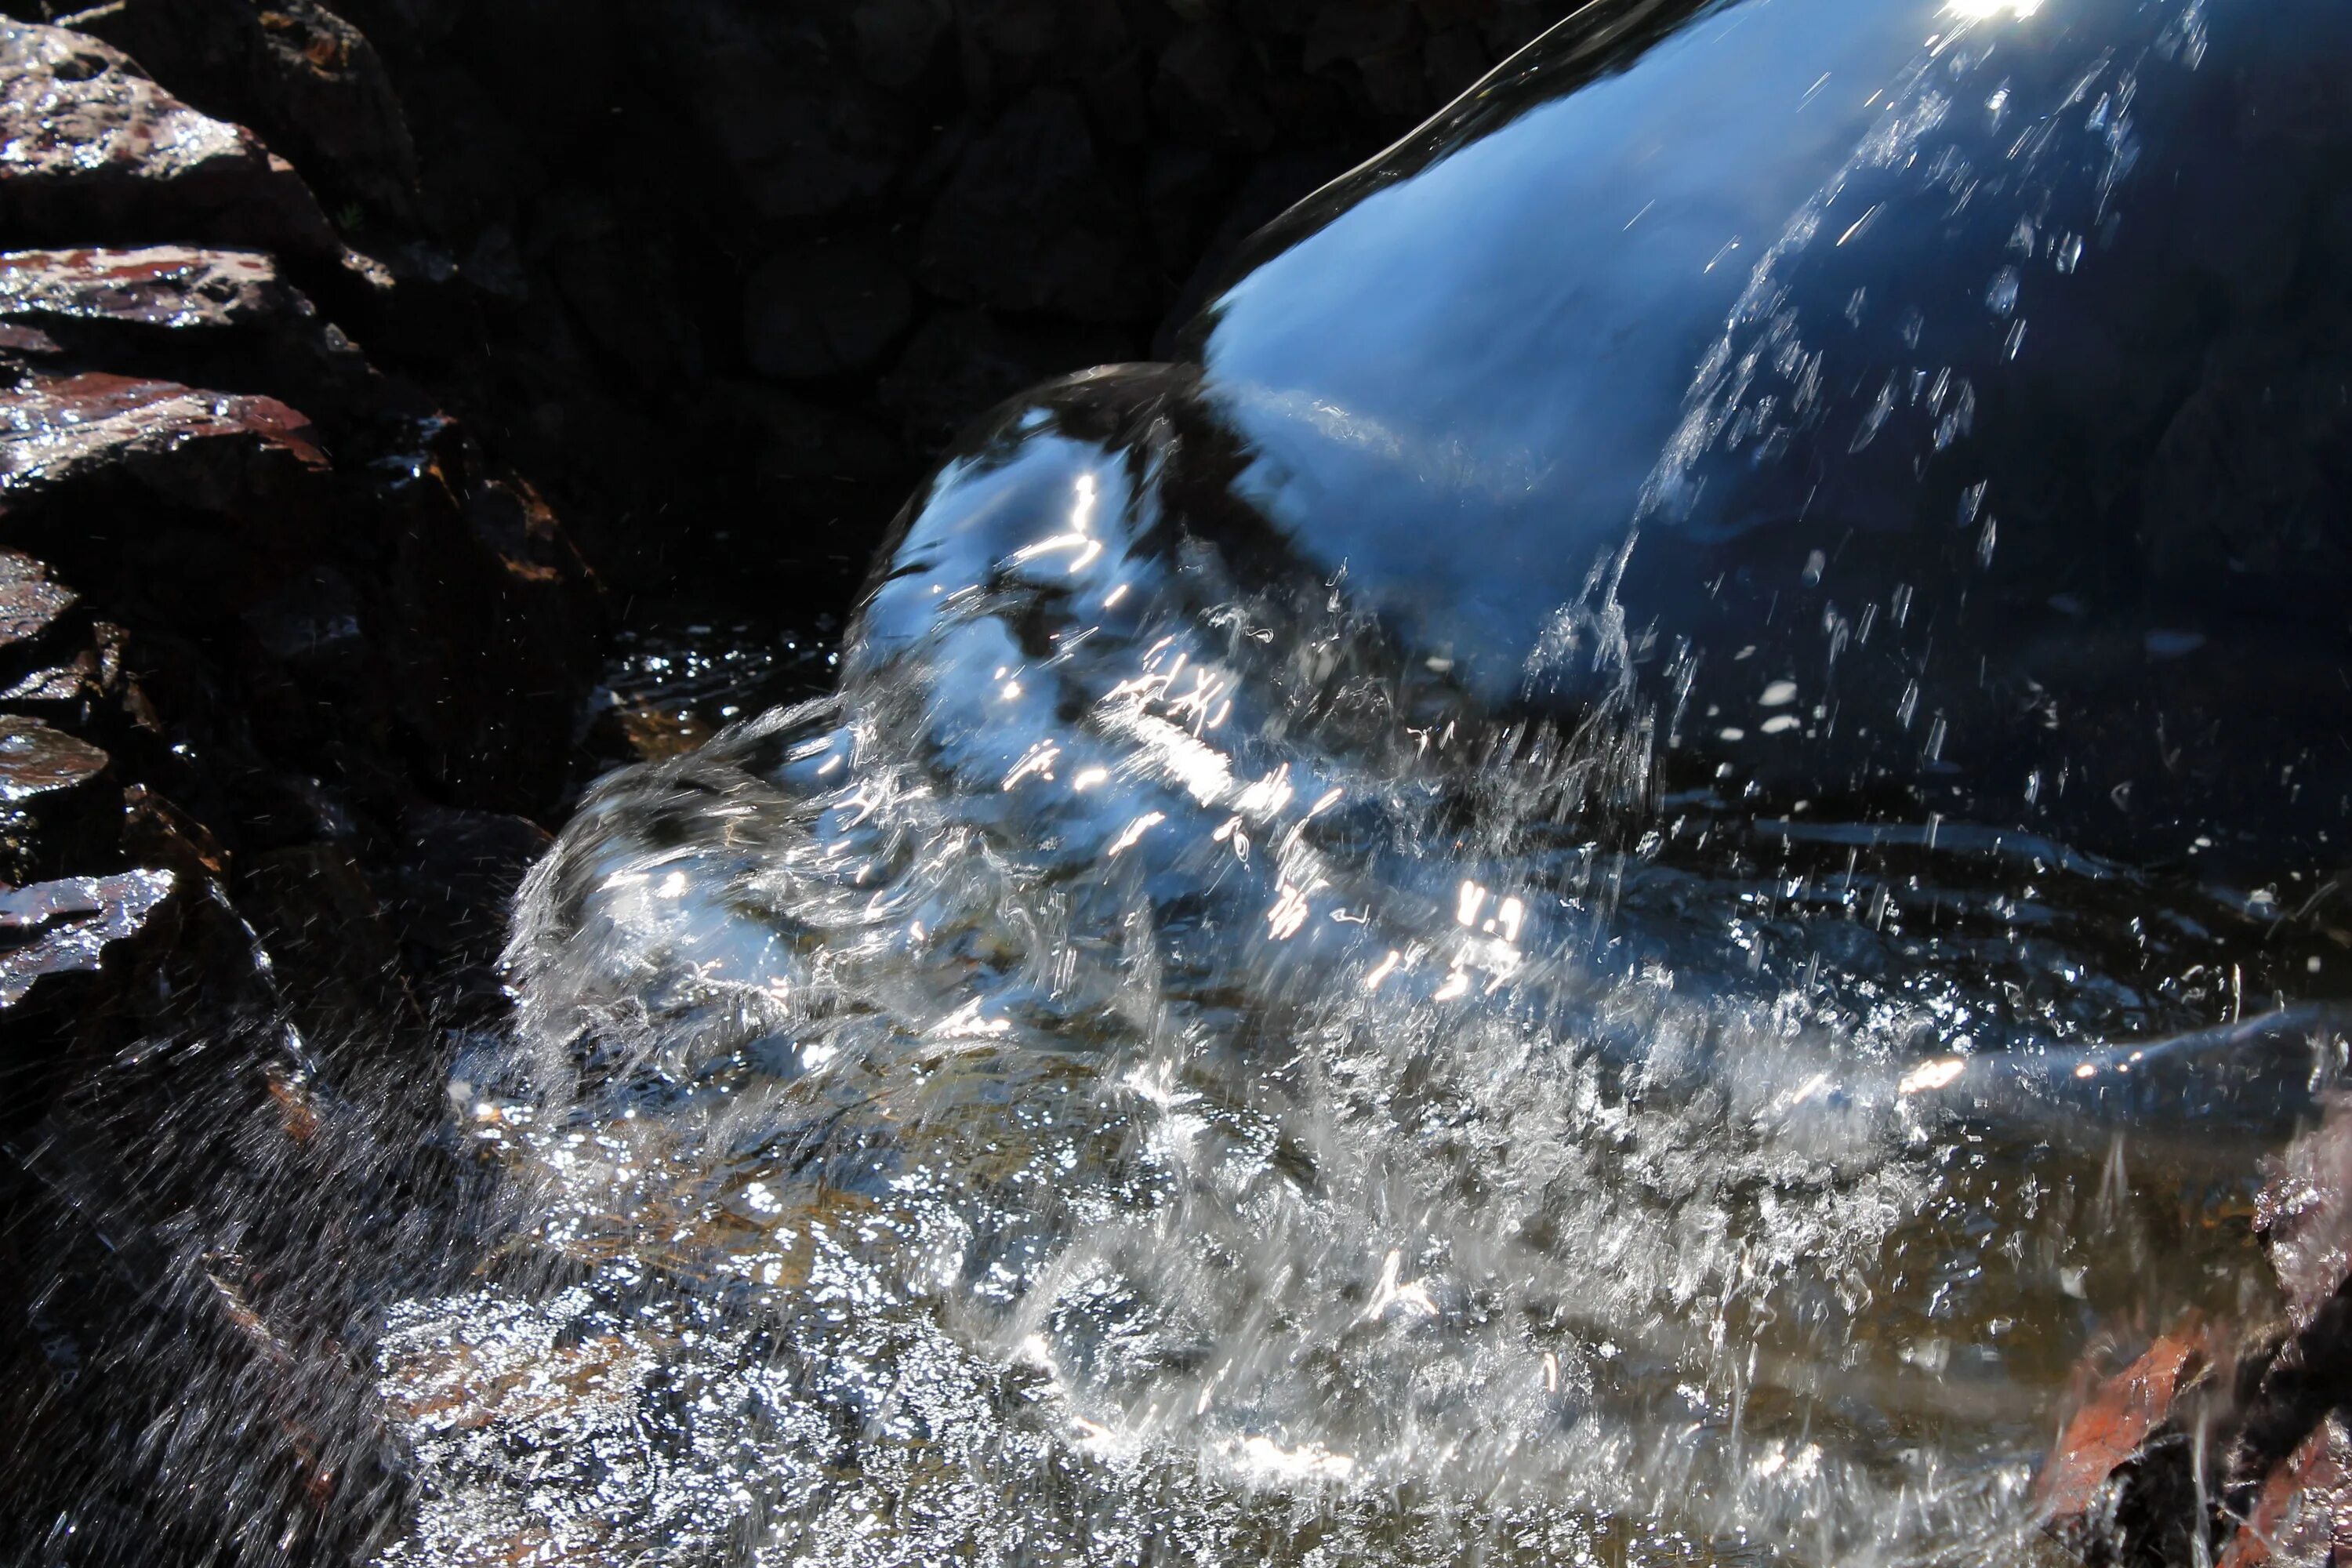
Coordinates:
(157, 833)
(222, 319)
(1032, 221)
(2302, 1516)
(2081, 1489)
(300, 75)
(159, 286)
(647, 731)
(68, 927)
(38, 763)
(30, 604)
(2304, 1216)
(201, 447)
(825, 309)
(93, 152)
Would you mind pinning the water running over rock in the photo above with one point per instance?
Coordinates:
(1606, 888)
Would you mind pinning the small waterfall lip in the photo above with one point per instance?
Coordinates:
(1227, 1016)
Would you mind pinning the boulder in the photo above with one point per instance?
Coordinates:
(93, 152)
(300, 75)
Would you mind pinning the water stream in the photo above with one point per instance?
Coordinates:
(1610, 887)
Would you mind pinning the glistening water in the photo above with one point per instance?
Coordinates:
(1614, 884)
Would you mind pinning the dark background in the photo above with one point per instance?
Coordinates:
(723, 277)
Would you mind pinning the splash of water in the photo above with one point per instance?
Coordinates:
(1167, 1060)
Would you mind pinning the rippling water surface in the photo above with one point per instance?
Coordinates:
(1611, 887)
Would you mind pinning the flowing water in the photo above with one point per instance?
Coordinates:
(1611, 886)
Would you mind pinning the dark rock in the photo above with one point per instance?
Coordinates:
(825, 309)
(1009, 47)
(897, 41)
(1032, 221)
(1185, 190)
(1206, 91)
(620, 286)
(803, 135)
(1455, 59)
(961, 363)
(479, 167)
(93, 152)
(560, 65)
(457, 879)
(2248, 487)
(797, 442)
(1356, 31)
(323, 926)
(68, 927)
(487, 617)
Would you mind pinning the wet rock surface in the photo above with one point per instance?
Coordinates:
(296, 664)
(285, 663)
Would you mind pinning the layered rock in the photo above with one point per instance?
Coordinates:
(287, 666)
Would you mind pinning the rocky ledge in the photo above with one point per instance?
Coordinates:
(290, 675)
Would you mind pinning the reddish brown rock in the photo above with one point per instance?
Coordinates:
(2111, 1430)
(57, 429)
(159, 286)
(203, 318)
(93, 152)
